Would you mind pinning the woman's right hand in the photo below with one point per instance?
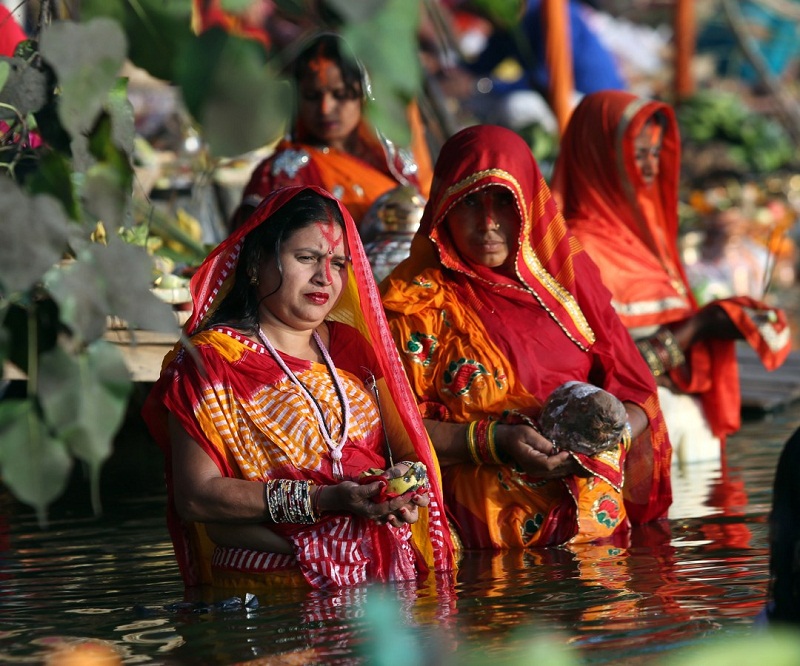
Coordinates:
(534, 453)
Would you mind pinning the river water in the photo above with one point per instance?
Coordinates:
(701, 574)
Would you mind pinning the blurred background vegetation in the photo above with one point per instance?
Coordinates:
(81, 248)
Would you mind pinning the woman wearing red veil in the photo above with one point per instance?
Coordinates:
(495, 308)
(616, 179)
(332, 144)
(284, 393)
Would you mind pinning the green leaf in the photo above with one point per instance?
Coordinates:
(5, 72)
(394, 67)
(355, 11)
(227, 87)
(26, 88)
(157, 30)
(84, 398)
(120, 110)
(87, 59)
(106, 189)
(106, 194)
(235, 6)
(54, 177)
(36, 234)
(33, 464)
(503, 13)
(82, 307)
(111, 279)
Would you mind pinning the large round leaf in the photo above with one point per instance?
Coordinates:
(240, 103)
(33, 464)
(84, 397)
(111, 279)
(25, 88)
(35, 229)
(157, 30)
(87, 59)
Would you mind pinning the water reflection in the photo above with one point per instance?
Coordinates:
(702, 573)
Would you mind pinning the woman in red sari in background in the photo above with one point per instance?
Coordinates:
(332, 145)
(617, 181)
(496, 307)
(270, 412)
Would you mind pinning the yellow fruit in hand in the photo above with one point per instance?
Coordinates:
(416, 477)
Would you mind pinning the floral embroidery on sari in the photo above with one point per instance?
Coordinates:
(606, 511)
(420, 347)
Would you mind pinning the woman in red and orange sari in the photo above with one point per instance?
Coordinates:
(495, 308)
(616, 179)
(283, 394)
(333, 146)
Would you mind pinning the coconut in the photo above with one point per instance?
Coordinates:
(582, 418)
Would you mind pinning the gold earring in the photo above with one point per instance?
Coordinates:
(254, 280)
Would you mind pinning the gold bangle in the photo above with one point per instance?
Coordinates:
(472, 446)
(676, 356)
(626, 438)
(651, 357)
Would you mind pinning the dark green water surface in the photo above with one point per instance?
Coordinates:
(701, 574)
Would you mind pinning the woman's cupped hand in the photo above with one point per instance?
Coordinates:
(360, 499)
(533, 453)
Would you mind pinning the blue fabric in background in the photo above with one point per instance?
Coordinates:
(777, 39)
(593, 65)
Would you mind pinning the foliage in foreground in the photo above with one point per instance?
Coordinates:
(66, 149)
(766, 645)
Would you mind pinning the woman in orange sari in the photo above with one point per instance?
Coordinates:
(495, 308)
(274, 407)
(333, 146)
(617, 181)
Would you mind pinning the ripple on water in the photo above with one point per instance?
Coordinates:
(702, 573)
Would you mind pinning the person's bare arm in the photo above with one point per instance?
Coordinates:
(709, 323)
(203, 495)
(637, 418)
(520, 443)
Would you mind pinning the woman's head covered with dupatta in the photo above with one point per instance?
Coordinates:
(597, 178)
(542, 252)
(261, 250)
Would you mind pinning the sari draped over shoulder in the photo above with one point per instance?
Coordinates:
(357, 181)
(630, 230)
(478, 344)
(236, 401)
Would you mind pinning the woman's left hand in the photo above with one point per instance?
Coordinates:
(358, 498)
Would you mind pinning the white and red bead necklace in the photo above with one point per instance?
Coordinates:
(335, 447)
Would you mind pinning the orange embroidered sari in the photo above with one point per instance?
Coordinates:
(242, 409)
(477, 344)
(630, 230)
